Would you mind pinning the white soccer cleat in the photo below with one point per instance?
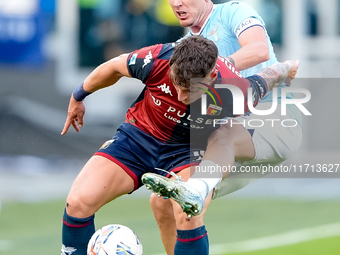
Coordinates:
(186, 196)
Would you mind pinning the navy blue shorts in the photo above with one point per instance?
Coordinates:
(138, 153)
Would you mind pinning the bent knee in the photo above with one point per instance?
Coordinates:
(183, 222)
(223, 135)
(79, 206)
(158, 202)
(162, 208)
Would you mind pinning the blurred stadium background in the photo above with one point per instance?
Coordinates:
(47, 47)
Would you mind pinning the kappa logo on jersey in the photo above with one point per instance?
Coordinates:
(147, 59)
(165, 89)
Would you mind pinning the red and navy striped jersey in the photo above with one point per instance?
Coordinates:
(157, 110)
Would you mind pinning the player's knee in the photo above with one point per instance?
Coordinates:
(183, 222)
(162, 208)
(78, 206)
(156, 202)
(223, 135)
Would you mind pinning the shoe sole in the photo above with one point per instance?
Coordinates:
(167, 188)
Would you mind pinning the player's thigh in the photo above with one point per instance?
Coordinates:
(235, 135)
(273, 141)
(99, 182)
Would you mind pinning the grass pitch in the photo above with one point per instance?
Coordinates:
(35, 228)
(329, 246)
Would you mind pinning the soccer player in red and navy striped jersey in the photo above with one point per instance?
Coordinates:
(156, 134)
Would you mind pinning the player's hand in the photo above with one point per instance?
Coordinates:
(293, 70)
(76, 111)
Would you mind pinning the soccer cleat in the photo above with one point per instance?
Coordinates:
(186, 196)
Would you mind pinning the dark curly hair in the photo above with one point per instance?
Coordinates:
(193, 57)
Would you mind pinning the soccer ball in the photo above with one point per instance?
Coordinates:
(114, 240)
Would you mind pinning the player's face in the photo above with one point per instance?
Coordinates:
(196, 89)
(191, 94)
(191, 13)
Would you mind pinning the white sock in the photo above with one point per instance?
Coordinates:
(205, 185)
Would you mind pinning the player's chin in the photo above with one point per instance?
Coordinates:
(185, 23)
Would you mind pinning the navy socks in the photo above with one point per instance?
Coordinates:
(192, 242)
(76, 234)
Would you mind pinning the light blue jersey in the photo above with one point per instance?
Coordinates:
(226, 23)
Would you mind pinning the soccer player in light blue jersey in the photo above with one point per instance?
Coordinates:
(240, 35)
(236, 29)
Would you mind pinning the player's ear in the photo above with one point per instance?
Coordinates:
(214, 73)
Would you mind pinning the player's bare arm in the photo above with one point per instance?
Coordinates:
(278, 73)
(107, 74)
(254, 48)
(103, 76)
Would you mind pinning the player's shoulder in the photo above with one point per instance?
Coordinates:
(232, 6)
(238, 16)
(143, 63)
(235, 9)
(150, 51)
(167, 50)
(158, 51)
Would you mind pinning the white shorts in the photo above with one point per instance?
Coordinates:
(275, 138)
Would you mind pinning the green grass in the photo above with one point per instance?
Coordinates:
(238, 220)
(326, 246)
(35, 229)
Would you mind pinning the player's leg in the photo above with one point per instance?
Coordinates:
(231, 141)
(228, 143)
(172, 221)
(273, 146)
(164, 214)
(192, 236)
(99, 182)
(163, 211)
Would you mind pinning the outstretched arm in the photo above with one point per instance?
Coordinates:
(278, 73)
(254, 49)
(107, 74)
(103, 76)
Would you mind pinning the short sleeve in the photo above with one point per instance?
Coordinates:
(140, 63)
(241, 17)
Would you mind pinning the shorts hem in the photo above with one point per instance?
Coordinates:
(180, 168)
(124, 167)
